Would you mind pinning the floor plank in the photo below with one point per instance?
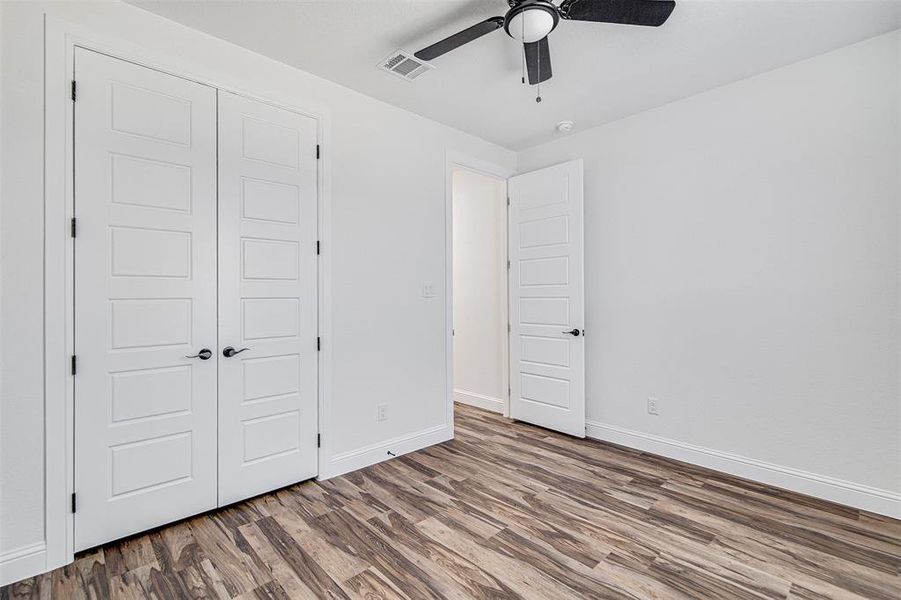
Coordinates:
(506, 510)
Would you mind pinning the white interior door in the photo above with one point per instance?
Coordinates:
(268, 407)
(145, 297)
(547, 314)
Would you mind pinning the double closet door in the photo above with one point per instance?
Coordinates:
(195, 368)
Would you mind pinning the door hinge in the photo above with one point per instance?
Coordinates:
(508, 265)
(509, 328)
(74, 230)
(73, 90)
(73, 501)
(317, 151)
(319, 440)
(317, 248)
(74, 364)
(318, 344)
(508, 200)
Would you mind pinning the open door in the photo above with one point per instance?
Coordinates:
(547, 298)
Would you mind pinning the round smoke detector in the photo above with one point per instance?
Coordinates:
(565, 126)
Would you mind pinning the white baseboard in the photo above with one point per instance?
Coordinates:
(479, 401)
(875, 500)
(23, 562)
(346, 462)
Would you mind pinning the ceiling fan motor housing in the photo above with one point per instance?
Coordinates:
(531, 20)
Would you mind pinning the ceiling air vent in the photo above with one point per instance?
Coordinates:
(404, 65)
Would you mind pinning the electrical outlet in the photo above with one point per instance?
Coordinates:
(653, 406)
(428, 290)
(382, 412)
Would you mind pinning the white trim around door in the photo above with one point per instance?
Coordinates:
(61, 39)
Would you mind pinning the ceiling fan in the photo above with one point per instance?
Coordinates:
(530, 22)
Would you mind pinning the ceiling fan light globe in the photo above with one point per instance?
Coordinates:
(531, 21)
(530, 25)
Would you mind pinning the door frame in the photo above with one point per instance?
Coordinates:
(455, 159)
(60, 40)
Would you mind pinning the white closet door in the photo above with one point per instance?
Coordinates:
(268, 417)
(547, 315)
(145, 297)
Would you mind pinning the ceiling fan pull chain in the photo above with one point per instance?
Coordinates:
(523, 56)
(523, 59)
(538, 97)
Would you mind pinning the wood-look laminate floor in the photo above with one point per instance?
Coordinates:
(505, 510)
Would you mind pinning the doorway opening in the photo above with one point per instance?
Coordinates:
(480, 292)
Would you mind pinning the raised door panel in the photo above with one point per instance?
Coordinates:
(268, 418)
(145, 297)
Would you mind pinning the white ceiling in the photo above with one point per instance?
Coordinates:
(601, 72)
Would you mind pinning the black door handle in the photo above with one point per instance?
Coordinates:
(228, 351)
(204, 354)
(573, 332)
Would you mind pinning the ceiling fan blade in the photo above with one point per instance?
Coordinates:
(458, 39)
(538, 61)
(652, 13)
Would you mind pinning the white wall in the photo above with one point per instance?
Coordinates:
(387, 240)
(742, 265)
(480, 289)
